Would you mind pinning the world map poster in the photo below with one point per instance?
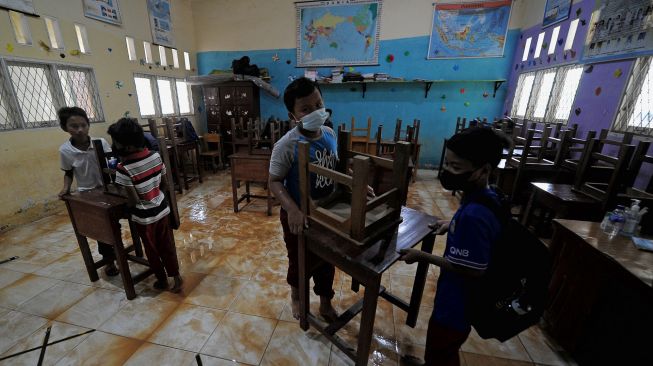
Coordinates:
(465, 30)
(336, 33)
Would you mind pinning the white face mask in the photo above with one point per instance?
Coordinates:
(314, 120)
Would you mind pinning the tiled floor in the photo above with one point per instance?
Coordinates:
(234, 307)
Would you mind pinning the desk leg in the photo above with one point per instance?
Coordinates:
(247, 191)
(121, 258)
(269, 201)
(197, 161)
(234, 188)
(367, 321)
(138, 247)
(303, 282)
(420, 281)
(182, 165)
(526, 215)
(88, 257)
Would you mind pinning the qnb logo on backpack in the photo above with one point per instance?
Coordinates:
(459, 252)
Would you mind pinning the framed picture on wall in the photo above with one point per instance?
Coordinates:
(103, 10)
(469, 30)
(556, 11)
(337, 33)
(160, 22)
(23, 6)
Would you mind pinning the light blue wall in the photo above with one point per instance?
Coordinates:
(385, 103)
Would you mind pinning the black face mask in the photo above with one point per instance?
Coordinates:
(456, 182)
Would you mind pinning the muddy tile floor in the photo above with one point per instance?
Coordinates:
(234, 309)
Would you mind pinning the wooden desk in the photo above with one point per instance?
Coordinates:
(601, 296)
(366, 264)
(249, 168)
(95, 214)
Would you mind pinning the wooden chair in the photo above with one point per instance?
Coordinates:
(212, 149)
(460, 125)
(640, 158)
(412, 136)
(397, 135)
(572, 152)
(586, 199)
(186, 149)
(360, 137)
(166, 132)
(169, 190)
(529, 166)
(348, 212)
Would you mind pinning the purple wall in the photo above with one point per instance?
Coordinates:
(597, 109)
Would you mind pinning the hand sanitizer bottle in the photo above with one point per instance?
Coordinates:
(633, 215)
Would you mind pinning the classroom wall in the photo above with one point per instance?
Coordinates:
(29, 159)
(592, 109)
(235, 30)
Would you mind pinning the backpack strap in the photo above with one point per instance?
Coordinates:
(500, 210)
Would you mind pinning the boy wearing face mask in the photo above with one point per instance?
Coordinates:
(469, 160)
(305, 106)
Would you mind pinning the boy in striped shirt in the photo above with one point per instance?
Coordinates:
(143, 175)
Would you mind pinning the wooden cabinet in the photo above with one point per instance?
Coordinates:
(229, 100)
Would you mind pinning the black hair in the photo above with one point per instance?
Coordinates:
(299, 88)
(128, 132)
(65, 113)
(479, 145)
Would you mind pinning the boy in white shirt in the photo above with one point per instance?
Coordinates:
(78, 161)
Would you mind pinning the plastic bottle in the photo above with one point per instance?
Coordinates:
(605, 224)
(633, 215)
(617, 220)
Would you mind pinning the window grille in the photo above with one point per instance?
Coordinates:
(547, 95)
(564, 93)
(522, 94)
(80, 89)
(32, 92)
(34, 89)
(636, 109)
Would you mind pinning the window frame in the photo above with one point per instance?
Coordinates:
(15, 111)
(82, 38)
(158, 113)
(552, 100)
(620, 121)
(131, 48)
(56, 30)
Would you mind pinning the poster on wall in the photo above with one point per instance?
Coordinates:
(336, 33)
(619, 29)
(104, 10)
(160, 22)
(23, 6)
(556, 11)
(469, 30)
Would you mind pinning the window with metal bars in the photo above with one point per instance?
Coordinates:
(547, 95)
(162, 96)
(636, 109)
(32, 92)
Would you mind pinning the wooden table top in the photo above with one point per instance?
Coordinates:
(97, 197)
(620, 248)
(376, 256)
